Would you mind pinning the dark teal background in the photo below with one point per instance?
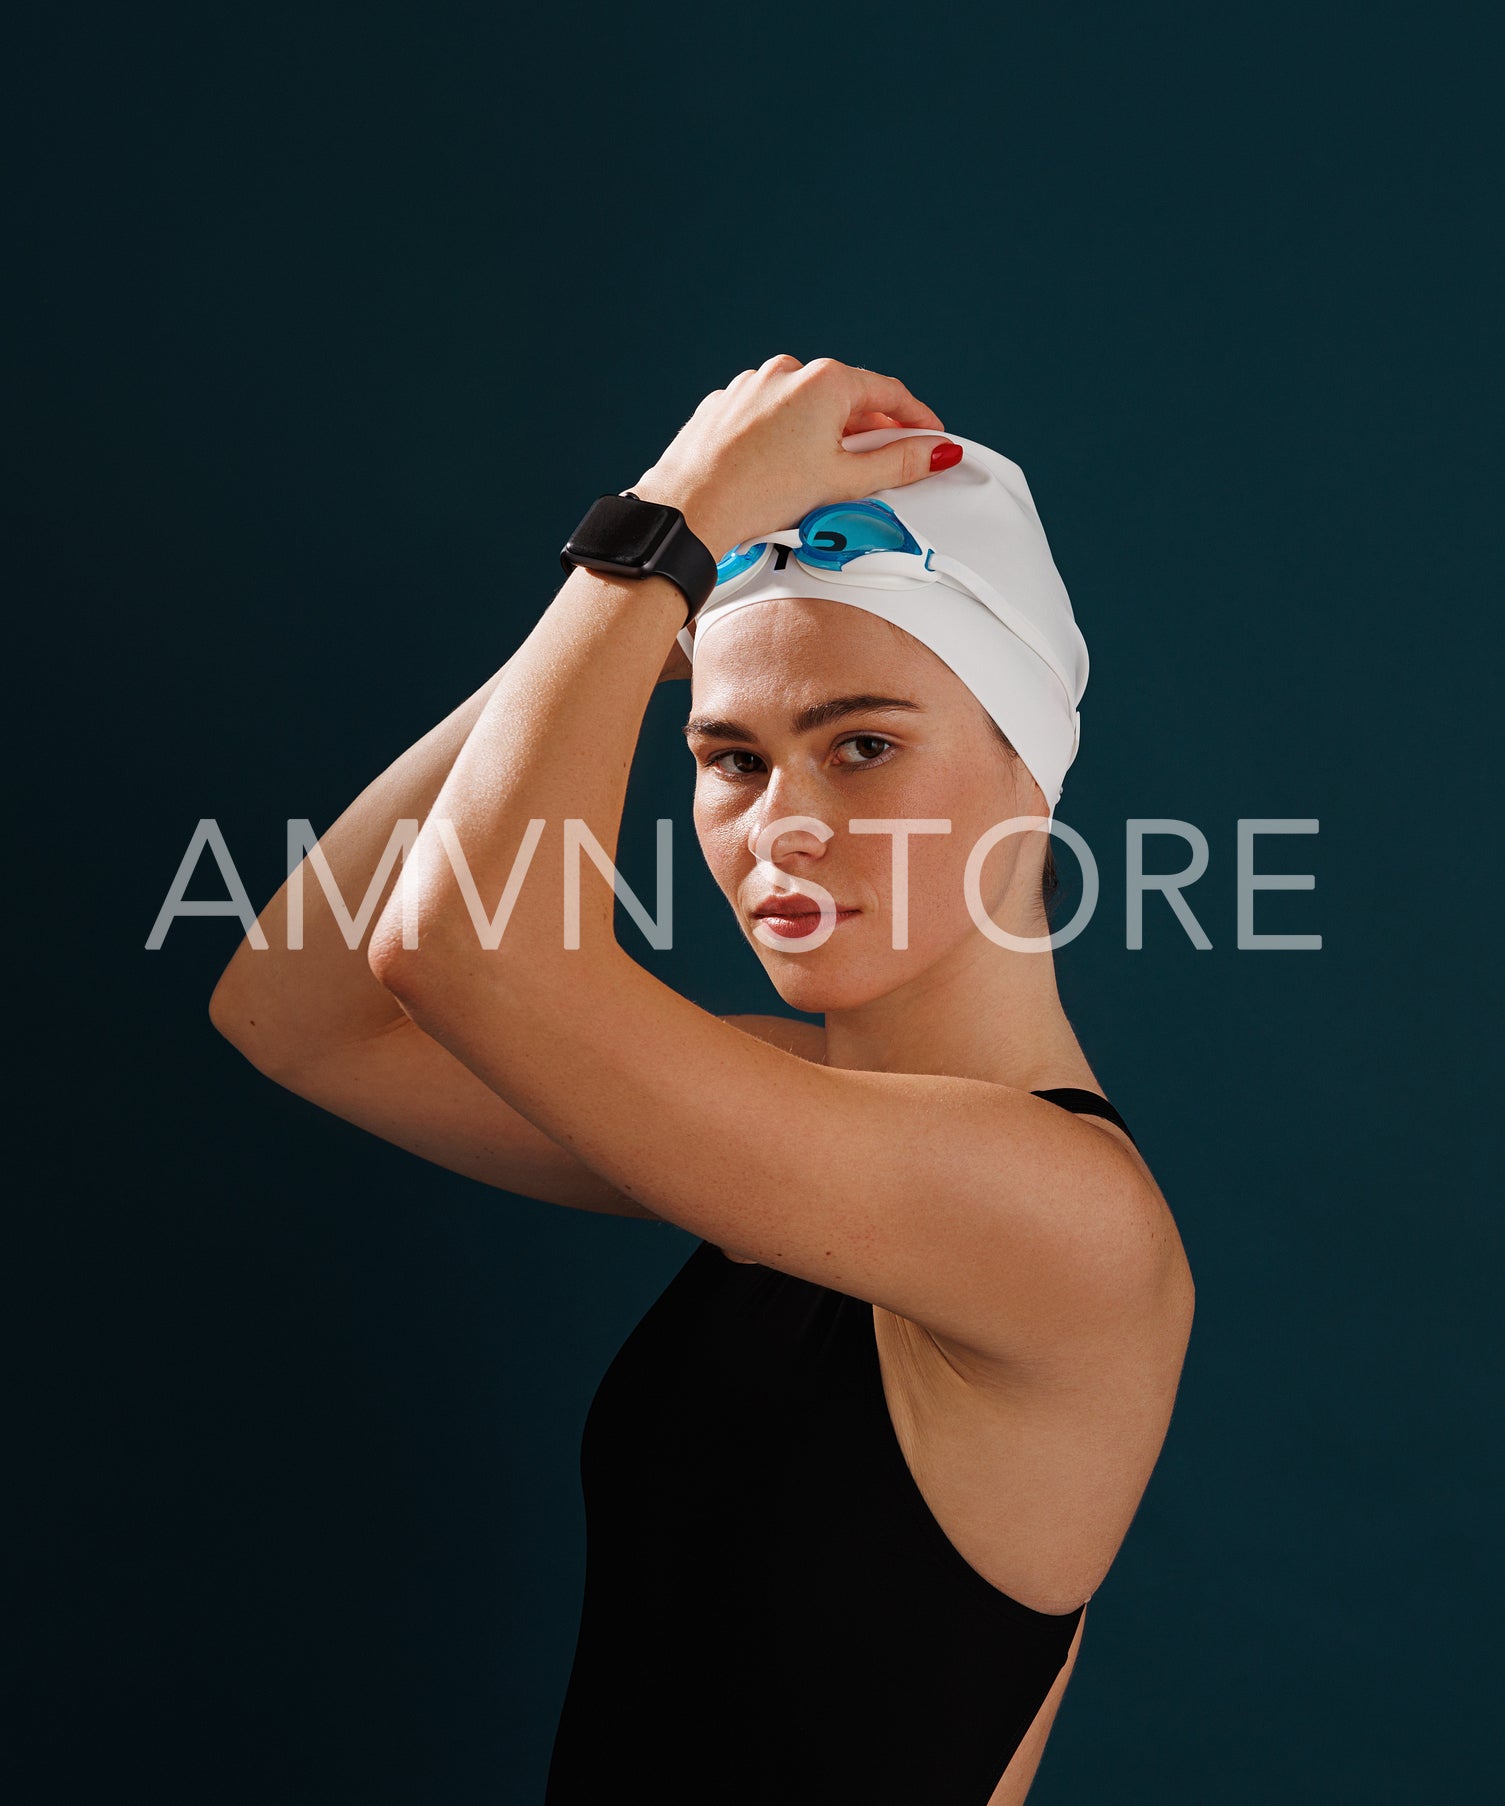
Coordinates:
(330, 323)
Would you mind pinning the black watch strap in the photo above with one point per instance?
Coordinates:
(624, 536)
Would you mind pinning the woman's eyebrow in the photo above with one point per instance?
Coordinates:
(817, 714)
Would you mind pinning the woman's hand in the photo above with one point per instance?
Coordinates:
(759, 454)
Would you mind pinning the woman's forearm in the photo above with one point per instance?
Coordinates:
(281, 1005)
(554, 743)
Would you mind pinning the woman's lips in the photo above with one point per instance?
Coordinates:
(796, 927)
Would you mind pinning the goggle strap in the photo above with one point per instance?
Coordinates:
(786, 536)
(1017, 622)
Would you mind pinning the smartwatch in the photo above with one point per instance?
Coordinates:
(624, 536)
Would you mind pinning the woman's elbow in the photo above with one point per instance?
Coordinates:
(393, 965)
(437, 973)
(229, 1001)
(260, 1007)
(410, 967)
(243, 1018)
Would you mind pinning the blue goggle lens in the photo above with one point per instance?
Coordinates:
(735, 562)
(833, 536)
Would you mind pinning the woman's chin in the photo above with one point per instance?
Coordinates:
(820, 986)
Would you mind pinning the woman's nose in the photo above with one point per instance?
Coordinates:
(775, 835)
(791, 800)
(775, 841)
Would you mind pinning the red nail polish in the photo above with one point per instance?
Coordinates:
(944, 456)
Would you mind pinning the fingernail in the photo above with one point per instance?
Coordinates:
(944, 456)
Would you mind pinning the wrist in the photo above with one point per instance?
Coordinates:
(700, 517)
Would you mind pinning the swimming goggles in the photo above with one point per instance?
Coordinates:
(866, 543)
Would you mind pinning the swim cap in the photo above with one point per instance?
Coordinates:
(1017, 648)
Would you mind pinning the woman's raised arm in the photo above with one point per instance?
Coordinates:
(287, 1008)
(316, 1021)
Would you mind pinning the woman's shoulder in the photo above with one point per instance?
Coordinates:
(808, 1040)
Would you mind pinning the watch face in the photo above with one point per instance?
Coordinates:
(619, 530)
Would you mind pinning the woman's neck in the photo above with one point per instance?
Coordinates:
(987, 1013)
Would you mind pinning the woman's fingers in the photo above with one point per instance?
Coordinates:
(873, 400)
(893, 466)
(868, 392)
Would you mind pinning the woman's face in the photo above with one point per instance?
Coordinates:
(815, 709)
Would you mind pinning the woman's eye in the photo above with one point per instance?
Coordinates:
(858, 749)
(731, 771)
(864, 743)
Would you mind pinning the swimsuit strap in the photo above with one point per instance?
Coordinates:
(1085, 1103)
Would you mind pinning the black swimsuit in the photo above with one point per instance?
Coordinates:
(772, 1613)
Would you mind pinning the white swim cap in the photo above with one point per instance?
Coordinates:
(986, 597)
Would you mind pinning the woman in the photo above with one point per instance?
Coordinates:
(852, 1480)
